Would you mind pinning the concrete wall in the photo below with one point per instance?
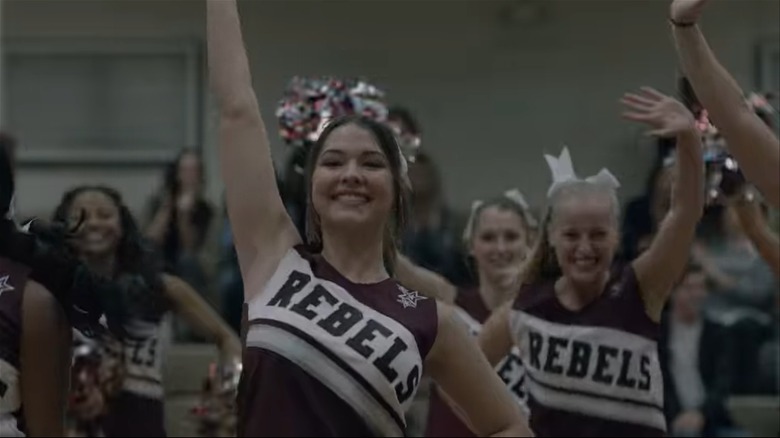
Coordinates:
(492, 94)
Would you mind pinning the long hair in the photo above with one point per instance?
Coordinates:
(389, 146)
(84, 297)
(138, 266)
(542, 265)
(171, 182)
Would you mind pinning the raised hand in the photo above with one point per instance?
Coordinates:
(686, 11)
(186, 202)
(666, 115)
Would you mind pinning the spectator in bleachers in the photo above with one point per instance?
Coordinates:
(696, 359)
(742, 283)
(180, 217)
(178, 222)
(753, 218)
(431, 240)
(645, 212)
(742, 289)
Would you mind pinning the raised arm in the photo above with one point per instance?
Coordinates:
(661, 265)
(201, 316)
(424, 281)
(45, 360)
(457, 366)
(753, 144)
(759, 232)
(262, 229)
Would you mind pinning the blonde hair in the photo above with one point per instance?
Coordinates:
(504, 204)
(542, 264)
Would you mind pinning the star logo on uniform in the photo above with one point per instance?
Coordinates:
(4, 286)
(409, 298)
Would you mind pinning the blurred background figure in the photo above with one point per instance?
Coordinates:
(697, 360)
(742, 288)
(431, 238)
(179, 219)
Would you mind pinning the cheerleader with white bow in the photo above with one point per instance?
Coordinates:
(586, 328)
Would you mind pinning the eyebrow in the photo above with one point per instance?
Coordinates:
(339, 152)
(377, 153)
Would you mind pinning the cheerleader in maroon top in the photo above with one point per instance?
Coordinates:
(498, 235)
(587, 330)
(110, 243)
(36, 298)
(335, 346)
(34, 353)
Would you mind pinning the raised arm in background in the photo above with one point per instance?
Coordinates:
(753, 143)
(660, 267)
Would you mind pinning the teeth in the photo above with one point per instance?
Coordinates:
(585, 262)
(352, 198)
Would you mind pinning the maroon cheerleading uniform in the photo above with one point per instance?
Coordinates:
(13, 279)
(328, 357)
(592, 372)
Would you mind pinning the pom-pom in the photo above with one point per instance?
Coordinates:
(215, 414)
(309, 103)
(97, 374)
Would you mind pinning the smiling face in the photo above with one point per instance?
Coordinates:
(352, 181)
(584, 234)
(101, 232)
(499, 243)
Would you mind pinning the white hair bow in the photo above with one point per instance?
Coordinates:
(517, 197)
(513, 195)
(562, 171)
